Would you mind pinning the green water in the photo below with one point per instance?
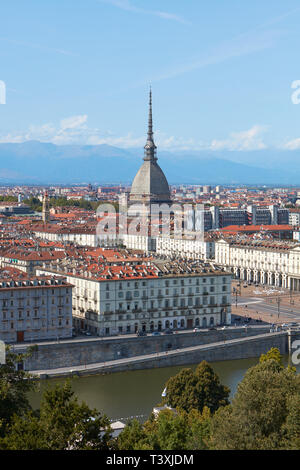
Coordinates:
(126, 394)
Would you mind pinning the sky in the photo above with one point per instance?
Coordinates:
(225, 74)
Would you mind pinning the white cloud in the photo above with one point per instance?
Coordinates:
(73, 122)
(75, 130)
(245, 140)
(293, 144)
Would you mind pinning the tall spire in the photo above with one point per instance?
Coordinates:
(150, 147)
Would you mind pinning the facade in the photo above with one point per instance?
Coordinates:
(294, 218)
(82, 237)
(151, 297)
(185, 248)
(263, 262)
(34, 309)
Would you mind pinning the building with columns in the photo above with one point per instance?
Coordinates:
(274, 263)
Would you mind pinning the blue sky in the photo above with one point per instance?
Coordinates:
(78, 71)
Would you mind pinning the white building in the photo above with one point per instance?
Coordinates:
(157, 296)
(34, 309)
(265, 262)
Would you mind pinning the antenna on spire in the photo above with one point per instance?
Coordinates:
(150, 147)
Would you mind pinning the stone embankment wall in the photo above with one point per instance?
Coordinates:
(90, 351)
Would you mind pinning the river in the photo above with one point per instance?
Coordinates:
(125, 394)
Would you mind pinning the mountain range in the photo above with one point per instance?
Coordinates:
(34, 162)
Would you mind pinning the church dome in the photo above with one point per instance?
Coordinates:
(150, 184)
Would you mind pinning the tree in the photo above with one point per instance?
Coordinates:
(133, 436)
(264, 413)
(194, 390)
(273, 353)
(168, 431)
(14, 387)
(61, 424)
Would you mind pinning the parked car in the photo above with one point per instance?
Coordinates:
(141, 333)
(224, 327)
(88, 333)
(156, 333)
(168, 331)
(195, 330)
(212, 328)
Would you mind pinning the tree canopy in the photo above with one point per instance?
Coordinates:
(194, 390)
(264, 413)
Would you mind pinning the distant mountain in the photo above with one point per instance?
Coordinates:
(34, 162)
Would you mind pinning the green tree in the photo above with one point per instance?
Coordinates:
(62, 423)
(263, 413)
(194, 390)
(168, 431)
(274, 354)
(14, 387)
(133, 437)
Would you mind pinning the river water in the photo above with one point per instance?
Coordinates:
(126, 394)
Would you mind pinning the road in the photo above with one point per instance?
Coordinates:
(106, 366)
(269, 307)
(85, 339)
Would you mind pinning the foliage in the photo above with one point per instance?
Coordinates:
(62, 423)
(34, 203)
(194, 390)
(264, 413)
(8, 199)
(169, 431)
(14, 387)
(274, 354)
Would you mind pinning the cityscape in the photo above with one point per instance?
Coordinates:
(149, 284)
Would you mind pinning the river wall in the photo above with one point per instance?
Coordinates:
(74, 353)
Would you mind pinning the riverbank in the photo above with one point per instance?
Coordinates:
(227, 349)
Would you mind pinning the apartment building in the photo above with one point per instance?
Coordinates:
(34, 308)
(150, 296)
